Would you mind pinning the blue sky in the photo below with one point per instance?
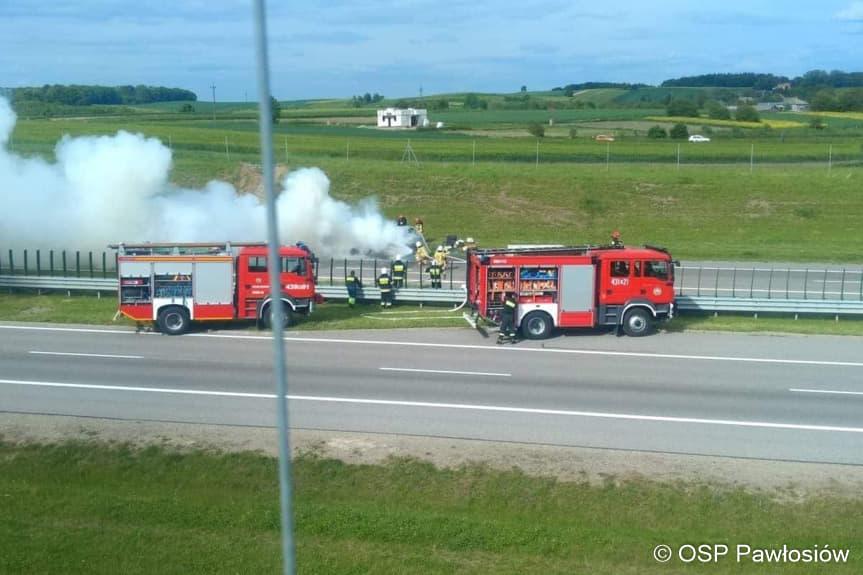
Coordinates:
(338, 48)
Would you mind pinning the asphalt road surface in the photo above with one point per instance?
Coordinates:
(794, 398)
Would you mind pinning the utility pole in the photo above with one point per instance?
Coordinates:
(421, 91)
(213, 88)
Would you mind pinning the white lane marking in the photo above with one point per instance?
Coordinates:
(444, 371)
(829, 391)
(298, 339)
(72, 329)
(460, 406)
(101, 355)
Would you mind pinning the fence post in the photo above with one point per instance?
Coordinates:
(806, 284)
(77, 263)
(26, 271)
(751, 282)
(716, 284)
(104, 266)
(734, 282)
(64, 262)
(842, 289)
(787, 281)
(770, 285)
(91, 263)
(38, 263)
(698, 281)
(824, 286)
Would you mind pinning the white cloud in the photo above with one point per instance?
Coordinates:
(852, 13)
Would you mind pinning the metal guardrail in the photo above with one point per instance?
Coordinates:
(59, 283)
(427, 295)
(797, 307)
(684, 303)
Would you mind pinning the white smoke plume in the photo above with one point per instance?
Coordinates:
(109, 189)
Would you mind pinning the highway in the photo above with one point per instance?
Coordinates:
(793, 398)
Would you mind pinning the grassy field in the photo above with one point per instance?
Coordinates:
(87, 309)
(77, 508)
(797, 201)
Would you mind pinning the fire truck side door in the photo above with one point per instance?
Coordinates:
(618, 281)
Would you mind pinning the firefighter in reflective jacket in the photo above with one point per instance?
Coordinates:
(440, 257)
(385, 283)
(507, 316)
(398, 273)
(422, 256)
(352, 282)
(435, 273)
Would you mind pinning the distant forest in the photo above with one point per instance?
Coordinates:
(810, 82)
(76, 95)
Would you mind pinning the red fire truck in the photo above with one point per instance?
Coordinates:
(176, 284)
(583, 286)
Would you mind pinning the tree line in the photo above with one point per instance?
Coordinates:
(81, 95)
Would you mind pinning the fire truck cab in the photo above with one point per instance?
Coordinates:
(176, 284)
(583, 286)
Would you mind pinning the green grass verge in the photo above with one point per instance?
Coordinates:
(78, 508)
(87, 309)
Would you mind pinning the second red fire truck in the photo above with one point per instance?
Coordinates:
(581, 286)
(178, 283)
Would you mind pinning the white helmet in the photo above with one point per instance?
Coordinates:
(384, 270)
(440, 248)
(470, 240)
(419, 244)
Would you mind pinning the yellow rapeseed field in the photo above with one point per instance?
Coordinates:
(775, 124)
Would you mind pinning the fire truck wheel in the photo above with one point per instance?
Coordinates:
(637, 322)
(536, 325)
(268, 316)
(173, 320)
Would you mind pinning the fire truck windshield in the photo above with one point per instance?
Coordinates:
(656, 269)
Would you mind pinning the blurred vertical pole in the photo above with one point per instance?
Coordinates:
(265, 118)
(678, 157)
(751, 158)
(473, 157)
(607, 154)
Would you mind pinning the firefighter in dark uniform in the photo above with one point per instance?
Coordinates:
(507, 317)
(385, 283)
(616, 242)
(435, 273)
(399, 270)
(352, 282)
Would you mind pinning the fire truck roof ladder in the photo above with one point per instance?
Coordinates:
(563, 250)
(176, 248)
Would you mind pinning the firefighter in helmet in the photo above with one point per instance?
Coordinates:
(352, 282)
(440, 257)
(507, 332)
(402, 221)
(422, 255)
(435, 273)
(398, 274)
(469, 244)
(385, 283)
(616, 242)
(418, 225)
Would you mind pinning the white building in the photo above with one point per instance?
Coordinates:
(402, 118)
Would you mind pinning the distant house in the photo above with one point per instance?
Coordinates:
(402, 118)
(769, 107)
(783, 86)
(796, 104)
